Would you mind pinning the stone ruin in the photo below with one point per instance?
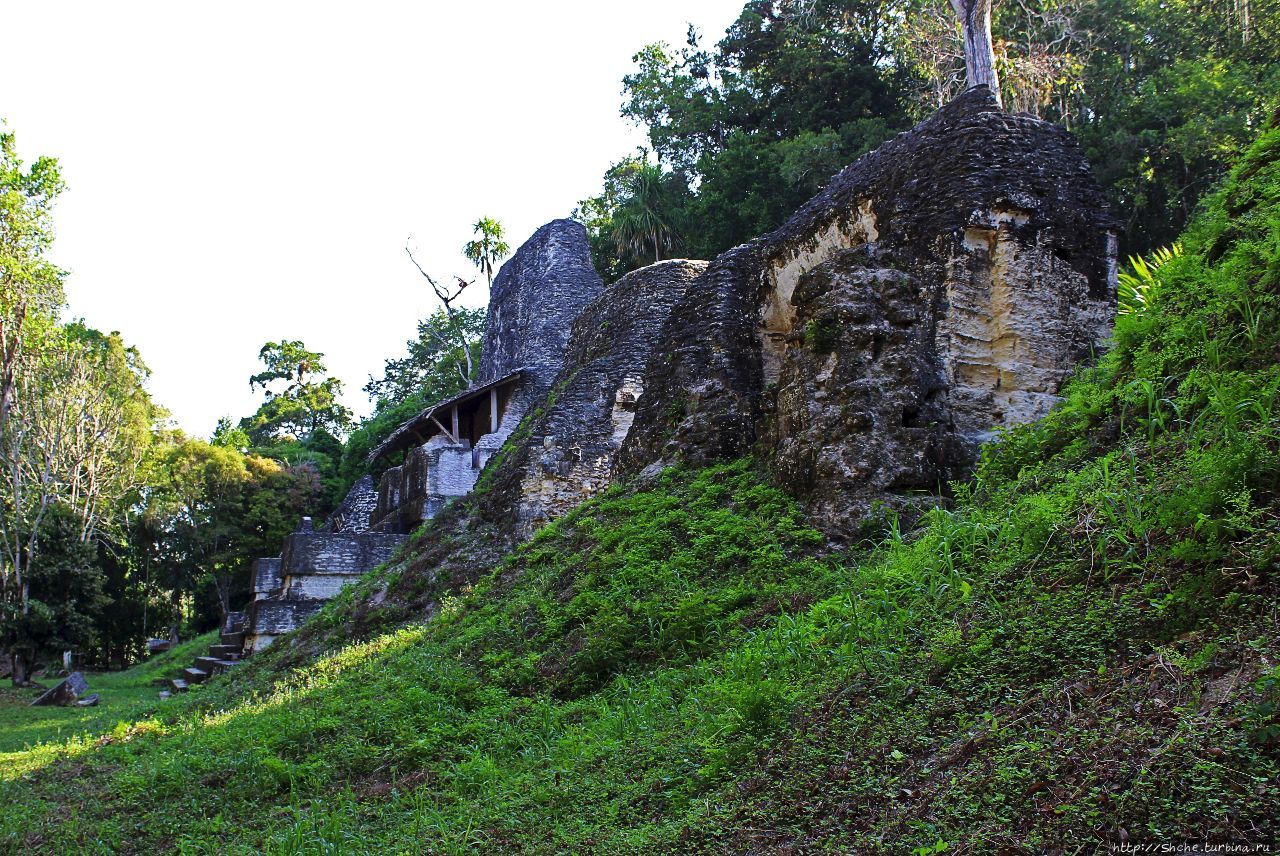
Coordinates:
(939, 289)
(567, 451)
(535, 298)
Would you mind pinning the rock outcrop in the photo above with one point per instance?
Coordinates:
(942, 287)
(535, 298)
(566, 453)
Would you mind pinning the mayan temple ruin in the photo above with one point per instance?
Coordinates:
(942, 287)
(764, 427)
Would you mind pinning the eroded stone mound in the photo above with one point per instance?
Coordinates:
(536, 296)
(567, 453)
(941, 287)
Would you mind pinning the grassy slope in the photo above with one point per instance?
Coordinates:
(33, 736)
(1085, 648)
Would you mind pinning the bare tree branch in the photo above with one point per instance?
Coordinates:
(447, 300)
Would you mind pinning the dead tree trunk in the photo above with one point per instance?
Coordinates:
(979, 53)
(447, 300)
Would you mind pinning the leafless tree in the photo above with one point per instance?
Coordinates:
(447, 299)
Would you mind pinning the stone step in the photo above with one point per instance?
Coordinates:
(235, 622)
(195, 676)
(213, 665)
(236, 639)
(178, 685)
(207, 664)
(225, 652)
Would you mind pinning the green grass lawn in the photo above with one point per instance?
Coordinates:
(32, 736)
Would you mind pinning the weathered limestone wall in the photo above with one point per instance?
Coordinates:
(270, 618)
(1018, 320)
(266, 577)
(536, 296)
(571, 448)
(940, 288)
(328, 553)
(357, 508)
(313, 567)
(451, 472)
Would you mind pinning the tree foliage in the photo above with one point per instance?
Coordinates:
(218, 509)
(433, 368)
(75, 424)
(300, 400)
(65, 599)
(30, 284)
(1163, 95)
(433, 362)
(746, 131)
(488, 248)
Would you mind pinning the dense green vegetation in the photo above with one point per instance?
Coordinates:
(1081, 649)
(1164, 96)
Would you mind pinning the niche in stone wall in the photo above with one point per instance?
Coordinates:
(777, 318)
(623, 414)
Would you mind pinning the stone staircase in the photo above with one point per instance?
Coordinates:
(225, 654)
(314, 565)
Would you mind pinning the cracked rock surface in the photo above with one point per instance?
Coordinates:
(940, 288)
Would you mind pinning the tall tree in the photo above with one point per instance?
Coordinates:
(212, 511)
(300, 400)
(488, 248)
(65, 599)
(77, 429)
(30, 284)
(643, 220)
(747, 130)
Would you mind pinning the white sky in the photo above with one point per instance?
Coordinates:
(249, 171)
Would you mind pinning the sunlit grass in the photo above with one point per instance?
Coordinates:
(32, 737)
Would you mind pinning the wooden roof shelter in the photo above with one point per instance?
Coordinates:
(464, 418)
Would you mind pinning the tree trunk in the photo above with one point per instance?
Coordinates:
(223, 587)
(979, 53)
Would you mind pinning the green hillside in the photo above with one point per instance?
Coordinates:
(1083, 649)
